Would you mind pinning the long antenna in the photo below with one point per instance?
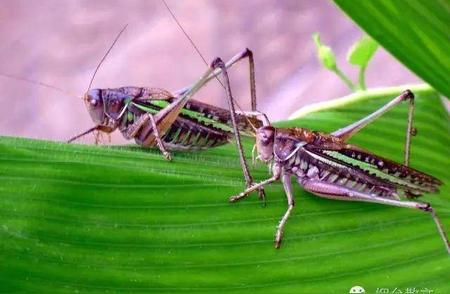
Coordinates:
(189, 38)
(202, 57)
(195, 47)
(185, 33)
(104, 56)
(38, 83)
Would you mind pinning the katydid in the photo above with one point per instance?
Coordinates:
(328, 166)
(187, 124)
(154, 117)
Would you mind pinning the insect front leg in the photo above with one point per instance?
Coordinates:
(332, 191)
(350, 130)
(96, 128)
(218, 63)
(99, 137)
(276, 170)
(291, 203)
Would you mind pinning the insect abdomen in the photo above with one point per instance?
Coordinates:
(306, 165)
(220, 115)
(184, 134)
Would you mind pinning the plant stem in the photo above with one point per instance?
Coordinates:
(345, 79)
(362, 78)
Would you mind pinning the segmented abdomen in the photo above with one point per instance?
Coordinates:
(222, 116)
(310, 163)
(186, 133)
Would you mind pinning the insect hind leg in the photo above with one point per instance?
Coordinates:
(246, 53)
(333, 191)
(347, 132)
(219, 64)
(149, 134)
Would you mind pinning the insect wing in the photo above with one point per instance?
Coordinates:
(411, 182)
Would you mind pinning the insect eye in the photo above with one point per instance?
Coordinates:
(93, 102)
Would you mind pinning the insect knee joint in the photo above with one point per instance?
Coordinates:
(407, 94)
(425, 207)
(218, 62)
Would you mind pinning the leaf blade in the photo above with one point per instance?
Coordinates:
(93, 218)
(414, 33)
(362, 51)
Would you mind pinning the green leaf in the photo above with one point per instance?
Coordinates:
(122, 219)
(416, 32)
(362, 51)
(327, 58)
(325, 53)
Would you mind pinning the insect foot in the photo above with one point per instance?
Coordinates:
(277, 240)
(167, 156)
(427, 207)
(252, 188)
(236, 197)
(262, 196)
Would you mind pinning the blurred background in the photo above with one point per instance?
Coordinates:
(61, 42)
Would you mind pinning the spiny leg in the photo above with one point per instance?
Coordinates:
(142, 122)
(251, 62)
(350, 130)
(164, 119)
(276, 172)
(410, 130)
(236, 58)
(97, 139)
(332, 191)
(96, 128)
(134, 128)
(218, 63)
(252, 188)
(159, 141)
(246, 53)
(291, 203)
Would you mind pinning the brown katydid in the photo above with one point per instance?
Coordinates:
(155, 117)
(328, 166)
(135, 111)
(189, 125)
